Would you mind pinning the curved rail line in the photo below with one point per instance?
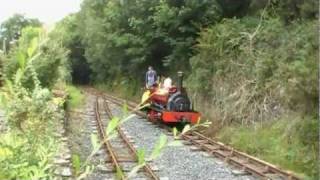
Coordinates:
(245, 162)
(114, 157)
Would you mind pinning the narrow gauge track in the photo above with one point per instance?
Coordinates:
(243, 161)
(125, 153)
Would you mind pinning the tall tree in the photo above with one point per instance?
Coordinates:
(10, 30)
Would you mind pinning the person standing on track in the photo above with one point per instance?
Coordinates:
(151, 77)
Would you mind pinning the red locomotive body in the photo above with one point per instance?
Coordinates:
(172, 105)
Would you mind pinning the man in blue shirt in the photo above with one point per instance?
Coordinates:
(151, 77)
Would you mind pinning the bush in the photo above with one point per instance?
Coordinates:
(256, 72)
(50, 62)
(24, 157)
(28, 147)
(260, 77)
(27, 109)
(76, 98)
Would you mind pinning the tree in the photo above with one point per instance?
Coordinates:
(178, 23)
(10, 30)
(68, 33)
(122, 37)
(49, 62)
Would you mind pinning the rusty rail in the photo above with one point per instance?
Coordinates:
(146, 167)
(242, 160)
(106, 142)
(248, 163)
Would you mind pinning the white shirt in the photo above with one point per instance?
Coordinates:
(167, 83)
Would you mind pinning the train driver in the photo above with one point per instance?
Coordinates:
(167, 83)
(151, 77)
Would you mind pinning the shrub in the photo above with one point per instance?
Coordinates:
(260, 77)
(24, 157)
(257, 71)
(27, 108)
(76, 98)
(50, 64)
(27, 148)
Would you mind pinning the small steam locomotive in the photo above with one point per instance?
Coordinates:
(171, 105)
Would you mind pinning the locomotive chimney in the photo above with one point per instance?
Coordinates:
(180, 81)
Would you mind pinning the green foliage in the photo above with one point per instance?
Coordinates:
(27, 109)
(28, 147)
(68, 34)
(29, 153)
(18, 54)
(254, 71)
(94, 142)
(178, 25)
(50, 64)
(161, 144)
(141, 156)
(112, 125)
(290, 10)
(257, 69)
(119, 38)
(76, 97)
(284, 142)
(10, 30)
(249, 69)
(22, 157)
(76, 164)
(122, 37)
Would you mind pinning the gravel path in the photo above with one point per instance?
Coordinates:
(177, 163)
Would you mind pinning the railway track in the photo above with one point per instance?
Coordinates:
(241, 160)
(121, 153)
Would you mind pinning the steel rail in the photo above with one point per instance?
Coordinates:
(146, 167)
(106, 143)
(267, 166)
(248, 163)
(230, 155)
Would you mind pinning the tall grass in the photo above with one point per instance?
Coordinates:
(291, 143)
(76, 97)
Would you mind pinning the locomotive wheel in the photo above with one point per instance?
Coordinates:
(178, 125)
(152, 116)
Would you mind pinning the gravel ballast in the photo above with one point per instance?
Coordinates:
(177, 162)
(81, 125)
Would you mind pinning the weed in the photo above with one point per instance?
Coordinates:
(76, 97)
(284, 142)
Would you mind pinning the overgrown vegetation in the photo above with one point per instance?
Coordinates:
(290, 143)
(25, 158)
(27, 148)
(75, 97)
(251, 65)
(10, 30)
(31, 112)
(258, 68)
(256, 73)
(50, 63)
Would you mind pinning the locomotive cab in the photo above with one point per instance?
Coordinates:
(171, 105)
